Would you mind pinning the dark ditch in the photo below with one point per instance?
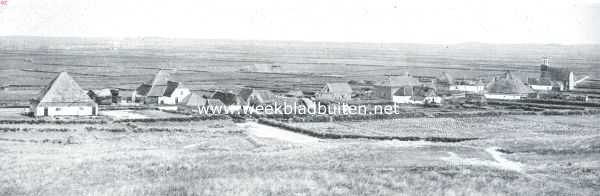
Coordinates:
(316, 134)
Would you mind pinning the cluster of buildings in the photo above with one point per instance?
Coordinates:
(63, 96)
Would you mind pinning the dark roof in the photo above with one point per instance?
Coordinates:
(227, 98)
(143, 89)
(555, 73)
(171, 86)
(255, 95)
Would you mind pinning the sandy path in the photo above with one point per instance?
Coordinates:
(498, 161)
(122, 114)
(264, 131)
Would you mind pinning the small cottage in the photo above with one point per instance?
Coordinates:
(387, 88)
(161, 90)
(256, 96)
(335, 92)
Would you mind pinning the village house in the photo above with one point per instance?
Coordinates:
(229, 99)
(255, 97)
(335, 92)
(63, 97)
(507, 87)
(294, 93)
(161, 90)
(194, 102)
(446, 83)
(392, 84)
(105, 96)
(467, 86)
(416, 95)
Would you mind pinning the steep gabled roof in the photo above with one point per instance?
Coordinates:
(258, 95)
(228, 98)
(63, 89)
(143, 89)
(398, 81)
(404, 91)
(214, 102)
(159, 84)
(445, 78)
(508, 84)
(339, 88)
(193, 100)
(171, 86)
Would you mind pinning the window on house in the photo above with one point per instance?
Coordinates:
(58, 109)
(80, 108)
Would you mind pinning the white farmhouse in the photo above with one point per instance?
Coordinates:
(63, 97)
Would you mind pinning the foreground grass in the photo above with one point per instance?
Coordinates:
(218, 158)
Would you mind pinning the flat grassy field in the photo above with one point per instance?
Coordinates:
(507, 126)
(215, 64)
(223, 158)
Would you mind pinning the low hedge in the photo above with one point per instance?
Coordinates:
(47, 121)
(178, 119)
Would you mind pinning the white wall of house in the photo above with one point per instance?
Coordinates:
(401, 99)
(435, 99)
(177, 96)
(407, 100)
(502, 96)
(467, 88)
(541, 87)
(66, 111)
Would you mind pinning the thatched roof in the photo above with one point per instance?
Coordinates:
(63, 89)
(214, 102)
(445, 78)
(404, 91)
(398, 81)
(508, 84)
(339, 88)
(193, 100)
(294, 93)
(228, 98)
(159, 84)
(101, 92)
(255, 95)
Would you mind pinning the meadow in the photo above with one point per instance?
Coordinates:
(223, 158)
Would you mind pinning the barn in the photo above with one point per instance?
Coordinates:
(161, 90)
(256, 96)
(507, 87)
(335, 92)
(387, 88)
(63, 97)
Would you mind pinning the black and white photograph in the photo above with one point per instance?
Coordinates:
(299, 97)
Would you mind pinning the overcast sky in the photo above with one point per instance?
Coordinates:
(414, 21)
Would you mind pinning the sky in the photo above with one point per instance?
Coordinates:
(381, 21)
